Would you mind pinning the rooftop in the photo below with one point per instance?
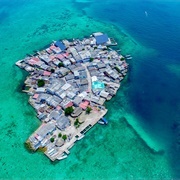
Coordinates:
(101, 39)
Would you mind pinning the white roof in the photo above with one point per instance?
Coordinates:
(40, 90)
(83, 94)
(104, 94)
(94, 78)
(66, 86)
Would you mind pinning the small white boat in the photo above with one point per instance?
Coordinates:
(129, 58)
(79, 138)
(62, 157)
(101, 122)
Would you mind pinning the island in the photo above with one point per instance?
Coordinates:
(68, 84)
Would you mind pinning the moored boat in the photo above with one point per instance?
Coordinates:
(103, 121)
(62, 157)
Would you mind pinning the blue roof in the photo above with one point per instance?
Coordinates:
(60, 45)
(101, 39)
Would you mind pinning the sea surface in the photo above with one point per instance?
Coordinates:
(142, 139)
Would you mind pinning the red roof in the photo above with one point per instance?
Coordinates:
(69, 104)
(52, 47)
(46, 73)
(59, 56)
(35, 59)
(48, 50)
(65, 55)
(36, 96)
(58, 108)
(51, 57)
(84, 105)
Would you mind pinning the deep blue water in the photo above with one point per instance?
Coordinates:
(154, 92)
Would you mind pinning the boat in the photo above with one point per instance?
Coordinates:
(103, 121)
(129, 58)
(80, 137)
(128, 55)
(62, 157)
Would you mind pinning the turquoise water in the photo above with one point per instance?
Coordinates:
(148, 98)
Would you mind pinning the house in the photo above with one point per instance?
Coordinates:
(77, 111)
(66, 62)
(62, 122)
(72, 60)
(85, 55)
(42, 97)
(101, 39)
(41, 90)
(46, 73)
(69, 77)
(35, 143)
(57, 99)
(54, 115)
(63, 71)
(66, 103)
(59, 93)
(82, 75)
(71, 94)
(77, 100)
(83, 82)
(51, 90)
(101, 65)
(55, 49)
(56, 62)
(83, 88)
(62, 95)
(35, 96)
(84, 105)
(45, 129)
(76, 74)
(45, 58)
(42, 116)
(95, 99)
(104, 94)
(60, 45)
(66, 86)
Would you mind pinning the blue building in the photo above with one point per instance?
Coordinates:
(60, 45)
(101, 39)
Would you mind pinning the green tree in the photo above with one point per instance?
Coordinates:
(41, 83)
(59, 135)
(60, 64)
(91, 59)
(76, 122)
(88, 110)
(68, 110)
(122, 59)
(52, 139)
(52, 70)
(64, 137)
